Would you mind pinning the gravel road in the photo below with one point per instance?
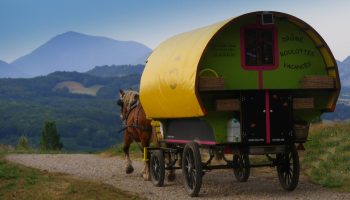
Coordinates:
(217, 184)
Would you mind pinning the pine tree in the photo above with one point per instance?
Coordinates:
(23, 143)
(55, 138)
(44, 140)
(50, 139)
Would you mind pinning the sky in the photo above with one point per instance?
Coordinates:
(27, 24)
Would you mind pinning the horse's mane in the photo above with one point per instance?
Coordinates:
(128, 97)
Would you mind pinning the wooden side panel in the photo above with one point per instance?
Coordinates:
(303, 103)
(228, 105)
(317, 82)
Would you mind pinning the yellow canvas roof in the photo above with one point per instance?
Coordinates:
(167, 87)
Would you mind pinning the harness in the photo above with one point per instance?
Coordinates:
(135, 123)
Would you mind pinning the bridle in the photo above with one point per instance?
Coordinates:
(133, 105)
(124, 118)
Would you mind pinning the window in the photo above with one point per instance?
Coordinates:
(259, 47)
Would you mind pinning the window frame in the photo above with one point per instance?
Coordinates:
(275, 48)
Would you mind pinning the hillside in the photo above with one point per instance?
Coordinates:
(116, 71)
(77, 88)
(344, 71)
(8, 71)
(327, 157)
(86, 122)
(72, 51)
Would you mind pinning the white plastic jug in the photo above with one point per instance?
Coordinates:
(233, 130)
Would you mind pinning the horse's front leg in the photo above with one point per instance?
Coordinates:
(145, 171)
(128, 165)
(170, 173)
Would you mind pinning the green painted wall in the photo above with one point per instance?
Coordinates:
(298, 57)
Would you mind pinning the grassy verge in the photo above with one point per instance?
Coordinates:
(327, 157)
(19, 182)
(117, 150)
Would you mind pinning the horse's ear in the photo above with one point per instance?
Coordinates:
(121, 92)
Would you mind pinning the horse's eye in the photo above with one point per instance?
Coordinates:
(119, 102)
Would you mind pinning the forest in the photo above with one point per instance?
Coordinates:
(85, 122)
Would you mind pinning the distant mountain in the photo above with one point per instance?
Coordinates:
(344, 70)
(347, 60)
(72, 51)
(8, 71)
(116, 70)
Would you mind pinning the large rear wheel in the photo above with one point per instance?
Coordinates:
(243, 171)
(157, 168)
(192, 168)
(288, 168)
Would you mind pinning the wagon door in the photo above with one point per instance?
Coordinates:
(253, 116)
(266, 117)
(280, 105)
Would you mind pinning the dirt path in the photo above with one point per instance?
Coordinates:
(219, 184)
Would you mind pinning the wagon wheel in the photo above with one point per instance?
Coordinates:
(157, 168)
(288, 168)
(243, 171)
(192, 168)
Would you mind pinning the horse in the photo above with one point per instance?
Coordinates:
(137, 127)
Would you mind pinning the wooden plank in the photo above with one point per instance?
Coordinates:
(211, 83)
(303, 103)
(317, 82)
(228, 105)
(301, 132)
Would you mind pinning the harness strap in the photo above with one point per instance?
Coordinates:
(135, 123)
(132, 107)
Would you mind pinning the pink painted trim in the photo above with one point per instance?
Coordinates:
(186, 141)
(267, 108)
(260, 77)
(242, 47)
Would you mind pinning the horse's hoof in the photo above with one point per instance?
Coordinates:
(171, 177)
(146, 177)
(129, 169)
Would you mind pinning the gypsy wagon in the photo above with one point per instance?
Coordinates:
(248, 85)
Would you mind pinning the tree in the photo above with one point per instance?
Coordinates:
(50, 139)
(22, 143)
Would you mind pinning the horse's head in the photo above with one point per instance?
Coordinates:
(127, 99)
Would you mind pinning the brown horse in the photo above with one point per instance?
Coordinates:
(137, 127)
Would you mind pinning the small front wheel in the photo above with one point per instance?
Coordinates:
(192, 168)
(243, 171)
(157, 168)
(288, 169)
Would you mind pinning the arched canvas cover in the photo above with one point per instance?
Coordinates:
(168, 84)
(167, 87)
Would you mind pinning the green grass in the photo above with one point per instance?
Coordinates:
(19, 182)
(117, 150)
(327, 157)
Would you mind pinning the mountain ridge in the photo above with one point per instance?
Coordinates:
(73, 51)
(9, 71)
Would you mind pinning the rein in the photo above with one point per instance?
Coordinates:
(133, 125)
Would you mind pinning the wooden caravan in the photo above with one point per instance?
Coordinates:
(249, 85)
